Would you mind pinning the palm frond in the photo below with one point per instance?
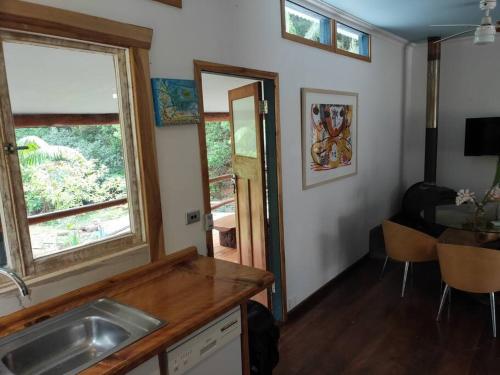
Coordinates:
(38, 151)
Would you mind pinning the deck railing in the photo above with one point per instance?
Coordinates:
(218, 204)
(42, 218)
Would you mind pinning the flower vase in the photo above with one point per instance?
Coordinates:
(479, 220)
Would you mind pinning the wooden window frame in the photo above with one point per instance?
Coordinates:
(133, 43)
(216, 116)
(300, 39)
(333, 27)
(65, 119)
(114, 244)
(341, 51)
(174, 3)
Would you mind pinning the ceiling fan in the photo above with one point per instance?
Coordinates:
(485, 32)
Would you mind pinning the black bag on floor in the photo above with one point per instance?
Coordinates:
(263, 335)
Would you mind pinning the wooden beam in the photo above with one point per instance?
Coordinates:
(222, 203)
(35, 18)
(216, 116)
(175, 3)
(223, 177)
(43, 218)
(146, 145)
(206, 66)
(64, 119)
(202, 145)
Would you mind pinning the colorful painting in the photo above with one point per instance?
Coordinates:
(329, 135)
(175, 102)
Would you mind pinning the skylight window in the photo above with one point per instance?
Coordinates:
(304, 23)
(352, 41)
(307, 26)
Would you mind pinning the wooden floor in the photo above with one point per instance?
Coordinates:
(225, 253)
(360, 325)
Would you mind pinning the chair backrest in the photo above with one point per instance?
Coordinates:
(468, 268)
(408, 245)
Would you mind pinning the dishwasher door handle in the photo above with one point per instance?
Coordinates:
(228, 325)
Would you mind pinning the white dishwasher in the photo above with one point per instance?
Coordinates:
(213, 349)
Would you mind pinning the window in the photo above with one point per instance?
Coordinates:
(307, 24)
(70, 154)
(309, 27)
(352, 41)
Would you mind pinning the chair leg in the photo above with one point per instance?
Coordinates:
(443, 299)
(412, 274)
(383, 267)
(405, 276)
(493, 314)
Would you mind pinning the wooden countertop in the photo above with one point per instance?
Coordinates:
(185, 289)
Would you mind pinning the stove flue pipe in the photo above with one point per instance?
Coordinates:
(431, 133)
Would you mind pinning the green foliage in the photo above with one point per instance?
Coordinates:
(58, 185)
(57, 176)
(218, 139)
(218, 148)
(38, 151)
(347, 43)
(302, 27)
(95, 142)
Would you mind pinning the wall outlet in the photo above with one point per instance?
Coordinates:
(192, 217)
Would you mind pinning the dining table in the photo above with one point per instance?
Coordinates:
(463, 228)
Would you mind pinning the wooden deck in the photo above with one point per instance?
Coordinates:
(224, 253)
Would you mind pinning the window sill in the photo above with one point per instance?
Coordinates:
(106, 263)
(325, 47)
(307, 42)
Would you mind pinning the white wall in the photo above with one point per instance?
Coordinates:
(469, 88)
(215, 90)
(326, 228)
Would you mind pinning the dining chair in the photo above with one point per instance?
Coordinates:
(407, 245)
(470, 269)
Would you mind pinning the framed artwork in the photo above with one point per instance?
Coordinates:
(175, 102)
(329, 136)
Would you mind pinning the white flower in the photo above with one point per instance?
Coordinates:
(495, 194)
(463, 196)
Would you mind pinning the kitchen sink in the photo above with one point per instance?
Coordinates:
(75, 340)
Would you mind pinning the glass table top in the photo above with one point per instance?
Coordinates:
(462, 217)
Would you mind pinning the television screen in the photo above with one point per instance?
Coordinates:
(482, 136)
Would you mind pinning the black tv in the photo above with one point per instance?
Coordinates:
(482, 136)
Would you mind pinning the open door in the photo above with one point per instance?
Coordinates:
(248, 167)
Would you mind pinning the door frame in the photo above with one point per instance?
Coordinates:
(269, 77)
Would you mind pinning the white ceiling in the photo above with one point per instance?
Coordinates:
(215, 88)
(410, 19)
(53, 80)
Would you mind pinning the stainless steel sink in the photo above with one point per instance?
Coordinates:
(76, 340)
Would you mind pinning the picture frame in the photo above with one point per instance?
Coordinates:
(329, 135)
(175, 102)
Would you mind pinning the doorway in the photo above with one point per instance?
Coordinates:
(240, 163)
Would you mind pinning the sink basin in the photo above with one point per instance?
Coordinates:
(75, 340)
